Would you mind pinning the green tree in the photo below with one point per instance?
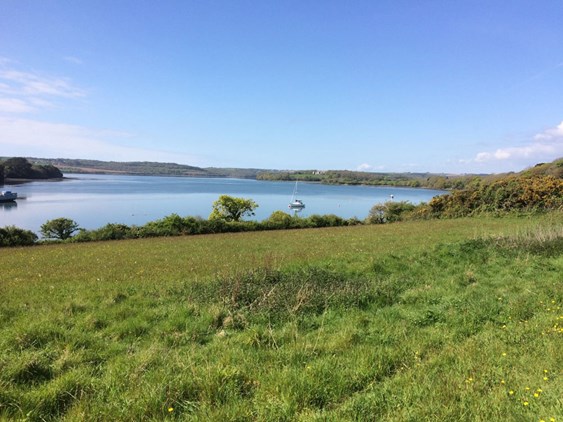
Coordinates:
(59, 228)
(230, 208)
(21, 168)
(17, 168)
(376, 214)
(46, 172)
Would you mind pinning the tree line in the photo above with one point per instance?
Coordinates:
(226, 217)
(414, 180)
(347, 177)
(146, 168)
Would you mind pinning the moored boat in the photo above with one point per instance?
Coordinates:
(8, 196)
(296, 204)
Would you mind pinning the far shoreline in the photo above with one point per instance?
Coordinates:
(18, 181)
(21, 181)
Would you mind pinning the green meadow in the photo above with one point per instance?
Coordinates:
(439, 320)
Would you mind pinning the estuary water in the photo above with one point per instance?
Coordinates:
(93, 200)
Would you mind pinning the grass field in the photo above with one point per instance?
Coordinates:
(435, 320)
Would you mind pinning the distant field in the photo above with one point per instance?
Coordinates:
(435, 320)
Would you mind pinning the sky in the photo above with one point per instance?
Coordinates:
(461, 86)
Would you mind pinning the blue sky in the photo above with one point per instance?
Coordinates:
(426, 85)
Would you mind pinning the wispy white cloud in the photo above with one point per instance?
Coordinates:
(545, 146)
(28, 137)
(32, 84)
(369, 167)
(31, 92)
(550, 134)
(364, 167)
(24, 92)
(15, 105)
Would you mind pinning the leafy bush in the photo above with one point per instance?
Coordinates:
(389, 212)
(328, 220)
(13, 236)
(508, 194)
(194, 225)
(110, 231)
(172, 225)
(279, 220)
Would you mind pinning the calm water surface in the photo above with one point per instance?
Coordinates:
(95, 200)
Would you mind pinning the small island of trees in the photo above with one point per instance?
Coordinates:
(21, 168)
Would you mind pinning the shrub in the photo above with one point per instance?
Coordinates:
(194, 225)
(389, 212)
(13, 236)
(328, 220)
(110, 231)
(279, 220)
(172, 225)
(536, 193)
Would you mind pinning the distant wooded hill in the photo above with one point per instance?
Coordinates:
(427, 180)
(146, 168)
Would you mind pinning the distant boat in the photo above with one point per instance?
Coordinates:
(296, 204)
(8, 196)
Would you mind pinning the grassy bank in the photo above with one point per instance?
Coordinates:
(434, 320)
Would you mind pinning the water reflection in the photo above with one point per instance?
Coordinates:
(8, 206)
(296, 211)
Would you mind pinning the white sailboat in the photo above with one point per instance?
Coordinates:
(296, 204)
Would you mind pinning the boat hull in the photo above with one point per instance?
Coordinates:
(8, 196)
(296, 205)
